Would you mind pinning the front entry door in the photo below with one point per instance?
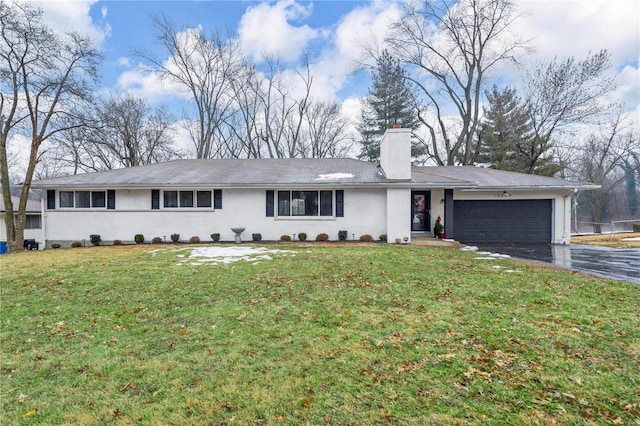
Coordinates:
(420, 211)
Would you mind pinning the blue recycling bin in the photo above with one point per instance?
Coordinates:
(3, 247)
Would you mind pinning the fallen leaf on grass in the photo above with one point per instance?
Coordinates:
(29, 413)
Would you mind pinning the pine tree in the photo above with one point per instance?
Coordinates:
(388, 102)
(504, 127)
(507, 139)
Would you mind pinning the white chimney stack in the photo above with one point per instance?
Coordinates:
(395, 153)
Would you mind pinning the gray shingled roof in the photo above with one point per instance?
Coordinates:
(228, 172)
(32, 205)
(297, 171)
(484, 178)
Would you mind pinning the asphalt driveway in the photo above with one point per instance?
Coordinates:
(617, 264)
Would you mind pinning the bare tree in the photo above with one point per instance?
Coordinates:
(451, 46)
(603, 160)
(130, 133)
(282, 111)
(204, 66)
(326, 132)
(44, 80)
(559, 95)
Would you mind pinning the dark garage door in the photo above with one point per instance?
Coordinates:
(502, 221)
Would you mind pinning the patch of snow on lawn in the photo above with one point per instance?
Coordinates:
(234, 254)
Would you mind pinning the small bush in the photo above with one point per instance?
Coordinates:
(215, 237)
(383, 237)
(56, 245)
(76, 244)
(285, 238)
(194, 240)
(117, 242)
(139, 238)
(175, 237)
(302, 236)
(366, 238)
(157, 240)
(342, 235)
(95, 239)
(322, 237)
(636, 228)
(256, 237)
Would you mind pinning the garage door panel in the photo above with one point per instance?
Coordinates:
(502, 221)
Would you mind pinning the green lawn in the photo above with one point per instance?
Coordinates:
(337, 334)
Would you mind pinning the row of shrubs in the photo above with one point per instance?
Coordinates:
(302, 236)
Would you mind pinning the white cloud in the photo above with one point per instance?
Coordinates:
(266, 29)
(361, 27)
(575, 28)
(146, 85)
(73, 15)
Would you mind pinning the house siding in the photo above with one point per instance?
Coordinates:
(364, 213)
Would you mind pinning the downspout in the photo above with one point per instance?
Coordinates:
(43, 232)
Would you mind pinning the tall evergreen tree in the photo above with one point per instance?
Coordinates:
(389, 101)
(507, 138)
(504, 125)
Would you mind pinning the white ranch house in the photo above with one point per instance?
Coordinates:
(276, 197)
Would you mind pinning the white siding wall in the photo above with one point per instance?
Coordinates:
(364, 213)
(398, 213)
(36, 234)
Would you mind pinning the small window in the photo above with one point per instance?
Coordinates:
(98, 199)
(33, 221)
(83, 199)
(186, 198)
(204, 198)
(170, 199)
(283, 203)
(326, 206)
(66, 198)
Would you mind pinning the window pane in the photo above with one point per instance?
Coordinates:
(98, 199)
(66, 199)
(170, 198)
(186, 198)
(283, 203)
(204, 198)
(304, 203)
(326, 206)
(32, 221)
(83, 199)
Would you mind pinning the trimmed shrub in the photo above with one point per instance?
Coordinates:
(285, 238)
(194, 240)
(215, 237)
(383, 237)
(322, 237)
(157, 240)
(302, 236)
(175, 237)
(76, 244)
(139, 238)
(366, 238)
(256, 237)
(342, 235)
(56, 245)
(117, 242)
(95, 239)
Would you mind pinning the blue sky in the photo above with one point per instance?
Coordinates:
(331, 30)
